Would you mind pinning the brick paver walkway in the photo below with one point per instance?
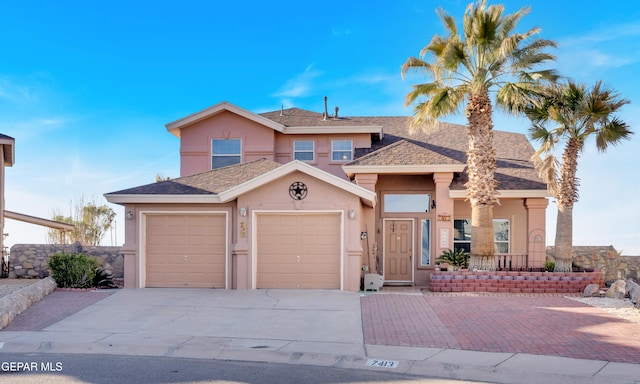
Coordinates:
(535, 324)
(56, 306)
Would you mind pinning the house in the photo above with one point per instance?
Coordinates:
(300, 199)
(7, 158)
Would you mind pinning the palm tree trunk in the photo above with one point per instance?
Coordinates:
(567, 196)
(564, 240)
(482, 241)
(481, 187)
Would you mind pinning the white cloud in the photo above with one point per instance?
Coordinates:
(300, 85)
(600, 50)
(12, 91)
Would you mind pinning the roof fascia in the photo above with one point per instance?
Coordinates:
(368, 197)
(150, 199)
(9, 154)
(351, 170)
(38, 221)
(507, 194)
(175, 126)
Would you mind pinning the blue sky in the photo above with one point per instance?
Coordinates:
(87, 87)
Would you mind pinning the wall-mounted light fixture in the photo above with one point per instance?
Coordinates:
(243, 211)
(129, 215)
(433, 204)
(352, 214)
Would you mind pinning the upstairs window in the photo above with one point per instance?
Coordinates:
(225, 152)
(304, 150)
(341, 150)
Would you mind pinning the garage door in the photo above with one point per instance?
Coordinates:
(185, 250)
(298, 251)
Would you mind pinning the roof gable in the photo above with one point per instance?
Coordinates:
(175, 126)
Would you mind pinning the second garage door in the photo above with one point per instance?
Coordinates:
(185, 250)
(299, 251)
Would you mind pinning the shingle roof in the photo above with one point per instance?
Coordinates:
(206, 183)
(445, 144)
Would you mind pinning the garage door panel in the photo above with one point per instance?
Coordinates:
(199, 237)
(299, 251)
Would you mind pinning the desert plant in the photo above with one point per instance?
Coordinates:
(103, 279)
(455, 257)
(73, 271)
(549, 266)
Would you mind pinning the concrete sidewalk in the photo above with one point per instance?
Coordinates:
(287, 326)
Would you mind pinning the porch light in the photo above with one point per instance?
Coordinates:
(243, 211)
(129, 215)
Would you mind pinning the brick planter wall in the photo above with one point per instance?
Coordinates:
(513, 282)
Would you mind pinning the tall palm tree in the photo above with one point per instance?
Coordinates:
(573, 113)
(488, 57)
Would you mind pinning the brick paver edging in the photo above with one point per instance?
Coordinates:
(513, 282)
(15, 303)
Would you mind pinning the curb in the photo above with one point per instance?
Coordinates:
(19, 301)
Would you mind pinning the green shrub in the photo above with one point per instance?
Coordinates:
(549, 266)
(457, 257)
(73, 271)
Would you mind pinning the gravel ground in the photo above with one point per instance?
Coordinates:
(622, 308)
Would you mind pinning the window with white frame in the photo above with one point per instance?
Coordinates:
(341, 150)
(304, 150)
(225, 152)
(501, 235)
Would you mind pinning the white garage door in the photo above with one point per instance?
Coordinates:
(185, 250)
(299, 251)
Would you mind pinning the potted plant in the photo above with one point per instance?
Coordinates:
(457, 258)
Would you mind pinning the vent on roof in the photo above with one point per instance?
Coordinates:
(281, 109)
(336, 115)
(326, 111)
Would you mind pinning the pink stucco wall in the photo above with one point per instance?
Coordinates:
(195, 141)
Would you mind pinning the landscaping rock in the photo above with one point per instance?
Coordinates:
(617, 290)
(633, 289)
(591, 290)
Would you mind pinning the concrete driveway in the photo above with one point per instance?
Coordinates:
(181, 321)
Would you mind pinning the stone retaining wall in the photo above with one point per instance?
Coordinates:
(17, 302)
(605, 259)
(513, 282)
(31, 260)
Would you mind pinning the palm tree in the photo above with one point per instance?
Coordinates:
(574, 113)
(488, 57)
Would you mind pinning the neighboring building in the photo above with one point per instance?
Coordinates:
(299, 199)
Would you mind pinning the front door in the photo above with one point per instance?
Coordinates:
(398, 257)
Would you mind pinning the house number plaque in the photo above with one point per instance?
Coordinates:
(298, 190)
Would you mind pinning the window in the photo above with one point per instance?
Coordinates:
(341, 150)
(501, 235)
(225, 152)
(462, 235)
(425, 258)
(303, 150)
(407, 202)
